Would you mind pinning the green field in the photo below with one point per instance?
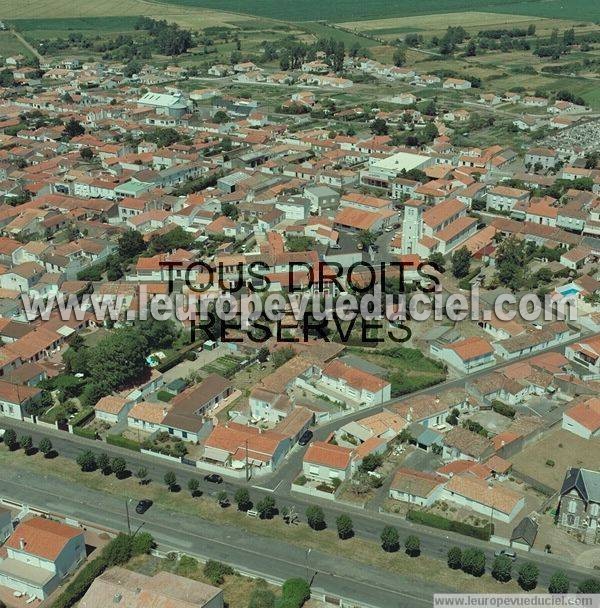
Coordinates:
(76, 24)
(356, 10)
(322, 30)
(11, 45)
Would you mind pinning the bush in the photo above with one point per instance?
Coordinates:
(164, 396)
(83, 432)
(82, 417)
(123, 442)
(528, 576)
(412, 546)
(437, 521)
(390, 539)
(315, 518)
(295, 592)
(503, 409)
(455, 558)
(473, 562)
(217, 571)
(550, 462)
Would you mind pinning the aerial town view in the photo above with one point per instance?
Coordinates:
(299, 303)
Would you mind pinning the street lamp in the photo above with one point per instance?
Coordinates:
(127, 501)
(308, 552)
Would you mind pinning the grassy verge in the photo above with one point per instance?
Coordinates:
(420, 569)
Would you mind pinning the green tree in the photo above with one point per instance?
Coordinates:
(10, 439)
(45, 446)
(528, 576)
(131, 243)
(86, 154)
(73, 129)
(193, 486)
(461, 262)
(399, 57)
(170, 480)
(103, 462)
(367, 238)
(502, 568)
(220, 117)
(412, 546)
(281, 355)
(315, 517)
(589, 585)
(242, 499)
(295, 591)
(26, 441)
(217, 571)
(390, 539)
(118, 551)
(262, 354)
(261, 597)
(511, 263)
(455, 558)
(370, 462)
(158, 333)
(266, 507)
(473, 562)
(87, 461)
(559, 583)
(142, 474)
(379, 127)
(345, 526)
(142, 543)
(119, 466)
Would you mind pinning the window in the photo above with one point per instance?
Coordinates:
(313, 470)
(594, 509)
(572, 506)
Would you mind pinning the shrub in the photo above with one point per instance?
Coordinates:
(550, 462)
(315, 518)
(412, 546)
(390, 539)
(437, 521)
(528, 576)
(503, 409)
(473, 562)
(295, 592)
(123, 442)
(455, 558)
(217, 571)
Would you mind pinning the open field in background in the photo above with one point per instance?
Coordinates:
(11, 45)
(432, 25)
(358, 10)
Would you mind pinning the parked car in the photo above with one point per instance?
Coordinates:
(305, 437)
(143, 506)
(506, 553)
(213, 478)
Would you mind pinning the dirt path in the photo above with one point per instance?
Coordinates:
(27, 45)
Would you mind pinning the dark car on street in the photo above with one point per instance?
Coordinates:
(213, 478)
(143, 506)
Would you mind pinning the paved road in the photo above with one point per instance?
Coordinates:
(266, 557)
(367, 524)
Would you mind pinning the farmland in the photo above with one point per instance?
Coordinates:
(358, 10)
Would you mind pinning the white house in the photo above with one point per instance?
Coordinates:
(416, 487)
(583, 418)
(325, 461)
(14, 399)
(40, 554)
(466, 355)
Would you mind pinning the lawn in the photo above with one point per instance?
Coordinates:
(419, 570)
(563, 449)
(409, 370)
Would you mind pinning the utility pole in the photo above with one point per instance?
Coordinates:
(247, 471)
(127, 500)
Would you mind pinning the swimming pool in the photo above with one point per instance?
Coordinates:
(569, 290)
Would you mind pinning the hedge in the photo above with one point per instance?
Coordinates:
(123, 442)
(503, 409)
(437, 521)
(169, 362)
(82, 416)
(83, 432)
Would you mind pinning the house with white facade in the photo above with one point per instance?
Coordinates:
(325, 462)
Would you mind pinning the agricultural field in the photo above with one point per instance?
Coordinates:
(11, 45)
(435, 25)
(359, 10)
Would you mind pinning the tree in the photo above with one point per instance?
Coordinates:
(315, 517)
(559, 583)
(390, 539)
(220, 117)
(87, 461)
(471, 49)
(589, 585)
(141, 474)
(10, 439)
(158, 333)
(170, 480)
(412, 546)
(379, 127)
(266, 507)
(193, 486)
(510, 263)
(103, 462)
(502, 569)
(118, 551)
(119, 466)
(222, 498)
(261, 597)
(45, 446)
(345, 527)
(142, 543)
(242, 499)
(399, 57)
(294, 592)
(528, 576)
(281, 355)
(370, 462)
(263, 354)
(455, 558)
(366, 238)
(131, 243)
(461, 262)
(217, 571)
(26, 441)
(473, 562)
(86, 154)
(73, 128)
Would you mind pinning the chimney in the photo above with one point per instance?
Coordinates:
(117, 598)
(22, 544)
